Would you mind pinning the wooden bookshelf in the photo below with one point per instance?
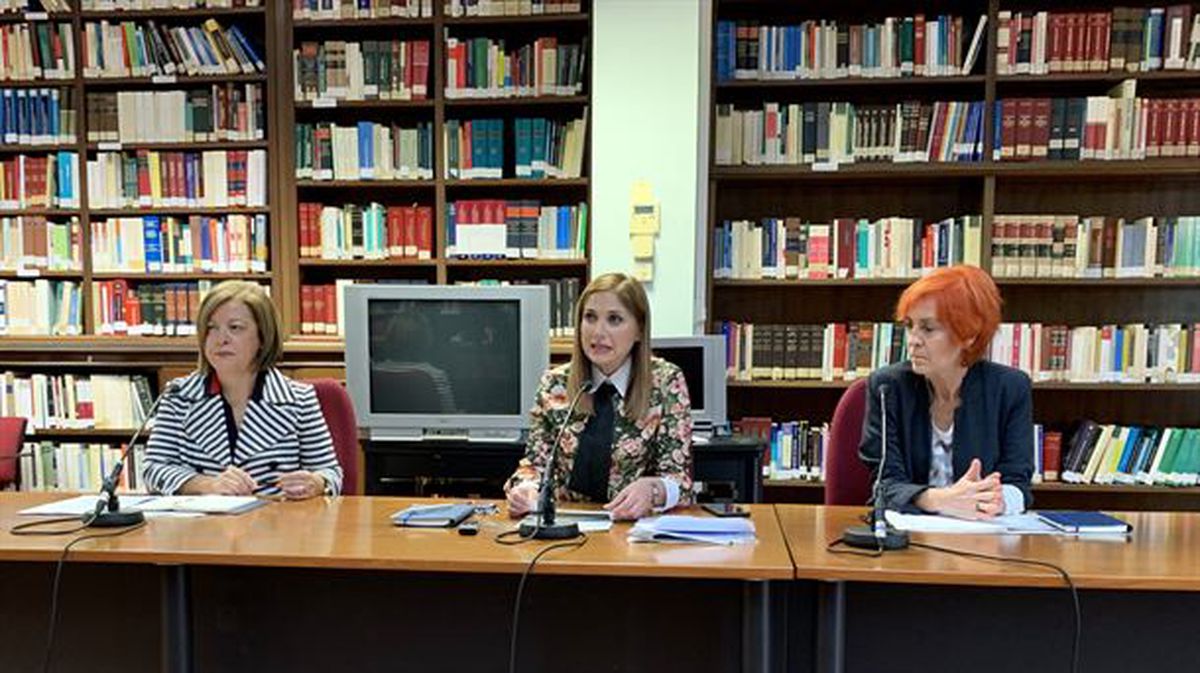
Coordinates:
(1165, 186)
(437, 108)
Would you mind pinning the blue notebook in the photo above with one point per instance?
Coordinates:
(433, 516)
(1073, 521)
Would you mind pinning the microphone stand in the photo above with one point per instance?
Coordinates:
(878, 536)
(108, 512)
(545, 527)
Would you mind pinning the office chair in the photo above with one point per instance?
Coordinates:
(847, 479)
(12, 436)
(338, 411)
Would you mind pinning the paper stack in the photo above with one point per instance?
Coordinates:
(710, 530)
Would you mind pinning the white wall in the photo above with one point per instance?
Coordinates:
(646, 118)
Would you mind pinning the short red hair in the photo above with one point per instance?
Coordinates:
(968, 302)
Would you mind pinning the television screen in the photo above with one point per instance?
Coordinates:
(691, 360)
(445, 356)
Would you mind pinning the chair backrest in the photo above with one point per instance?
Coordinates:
(338, 410)
(847, 479)
(12, 436)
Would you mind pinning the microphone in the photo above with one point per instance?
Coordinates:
(545, 528)
(108, 513)
(879, 535)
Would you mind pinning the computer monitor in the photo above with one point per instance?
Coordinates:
(702, 359)
(445, 361)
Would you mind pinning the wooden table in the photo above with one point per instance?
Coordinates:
(324, 567)
(1139, 596)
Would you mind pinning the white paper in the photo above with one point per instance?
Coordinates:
(83, 504)
(935, 523)
(201, 504)
(709, 530)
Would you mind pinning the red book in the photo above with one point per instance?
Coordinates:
(845, 234)
(306, 309)
(1054, 46)
(1040, 140)
(331, 321)
(420, 70)
(317, 312)
(1051, 456)
(1025, 108)
(1193, 127)
(410, 231)
(1195, 364)
(424, 226)
(1154, 127)
(1105, 36)
(1008, 128)
(1176, 140)
(919, 44)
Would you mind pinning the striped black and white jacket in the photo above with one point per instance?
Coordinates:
(282, 431)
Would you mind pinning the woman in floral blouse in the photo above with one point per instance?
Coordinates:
(628, 442)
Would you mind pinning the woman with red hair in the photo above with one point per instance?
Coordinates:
(960, 428)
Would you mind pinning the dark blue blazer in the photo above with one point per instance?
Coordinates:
(993, 423)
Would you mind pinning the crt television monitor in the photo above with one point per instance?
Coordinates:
(445, 361)
(702, 359)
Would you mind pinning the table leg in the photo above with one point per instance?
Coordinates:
(176, 620)
(762, 623)
(831, 627)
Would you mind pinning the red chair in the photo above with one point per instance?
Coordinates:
(338, 411)
(12, 436)
(847, 479)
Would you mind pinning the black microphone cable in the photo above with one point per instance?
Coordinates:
(62, 558)
(832, 548)
(1062, 572)
(516, 622)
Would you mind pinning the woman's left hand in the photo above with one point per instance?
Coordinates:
(635, 500)
(301, 484)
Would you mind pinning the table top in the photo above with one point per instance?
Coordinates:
(356, 533)
(1163, 553)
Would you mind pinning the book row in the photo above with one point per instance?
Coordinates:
(889, 247)
(143, 5)
(831, 133)
(216, 113)
(38, 50)
(1128, 39)
(498, 229)
(147, 308)
(77, 467)
(796, 448)
(370, 231)
(33, 243)
(1133, 353)
(196, 244)
(457, 8)
(366, 151)
(911, 46)
(361, 9)
(40, 307)
(1114, 127)
(26, 6)
(37, 116)
(47, 181)
(76, 401)
(1071, 246)
(148, 179)
(368, 70)
(1125, 454)
(1136, 353)
(146, 49)
(484, 67)
(544, 148)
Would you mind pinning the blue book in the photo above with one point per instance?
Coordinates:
(433, 516)
(537, 158)
(523, 136)
(153, 242)
(495, 147)
(479, 147)
(366, 149)
(1132, 442)
(562, 239)
(1076, 521)
(451, 224)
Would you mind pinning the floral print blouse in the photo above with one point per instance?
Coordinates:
(659, 444)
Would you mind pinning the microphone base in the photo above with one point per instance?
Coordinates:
(554, 531)
(863, 537)
(118, 519)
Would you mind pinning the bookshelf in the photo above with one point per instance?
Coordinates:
(274, 31)
(984, 184)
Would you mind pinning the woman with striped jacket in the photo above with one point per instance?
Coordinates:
(237, 425)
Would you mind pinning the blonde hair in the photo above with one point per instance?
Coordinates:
(266, 319)
(632, 296)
